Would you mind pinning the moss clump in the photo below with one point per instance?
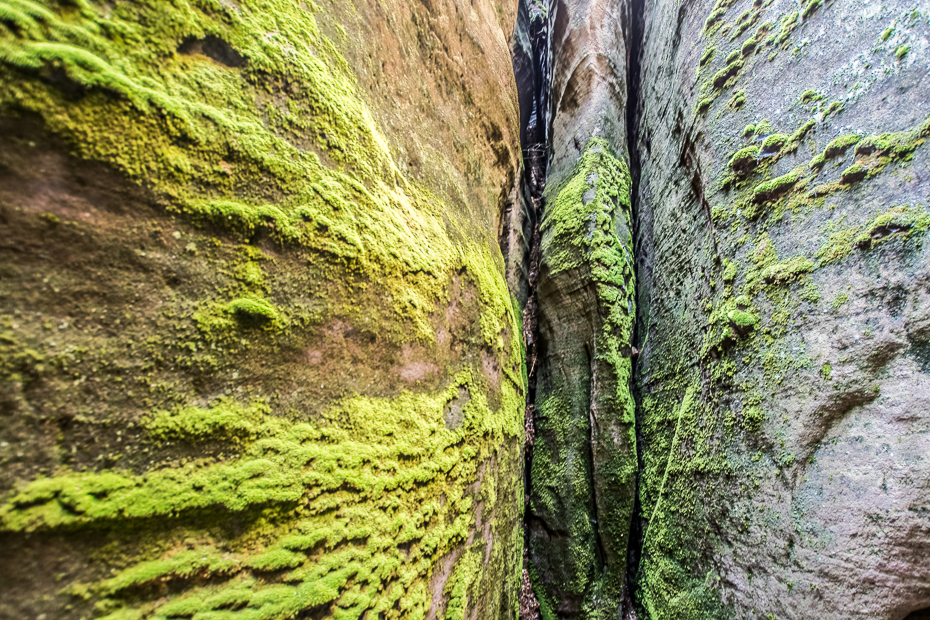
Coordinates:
(748, 48)
(722, 78)
(788, 270)
(902, 51)
(745, 159)
(854, 174)
(902, 221)
(714, 20)
(707, 56)
(776, 187)
(741, 319)
(729, 271)
(743, 301)
(732, 57)
(253, 309)
(839, 300)
(704, 104)
(887, 33)
(809, 96)
(753, 418)
(811, 7)
(835, 148)
(738, 100)
(763, 128)
(774, 142)
(225, 419)
(749, 130)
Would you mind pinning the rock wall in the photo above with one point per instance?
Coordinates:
(258, 356)
(783, 288)
(583, 469)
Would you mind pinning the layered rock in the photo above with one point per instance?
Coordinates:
(783, 273)
(258, 356)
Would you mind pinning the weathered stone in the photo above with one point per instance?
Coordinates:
(258, 355)
(785, 466)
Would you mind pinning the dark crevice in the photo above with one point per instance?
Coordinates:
(633, 114)
(535, 127)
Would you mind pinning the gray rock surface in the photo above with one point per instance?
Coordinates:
(784, 383)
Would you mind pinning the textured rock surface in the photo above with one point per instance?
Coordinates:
(582, 478)
(258, 357)
(784, 274)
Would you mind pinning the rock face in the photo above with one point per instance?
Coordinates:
(583, 468)
(783, 294)
(258, 356)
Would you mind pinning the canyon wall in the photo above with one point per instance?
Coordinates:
(582, 474)
(258, 353)
(783, 384)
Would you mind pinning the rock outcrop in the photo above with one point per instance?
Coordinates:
(258, 356)
(783, 279)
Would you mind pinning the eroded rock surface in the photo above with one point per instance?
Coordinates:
(258, 356)
(582, 477)
(783, 268)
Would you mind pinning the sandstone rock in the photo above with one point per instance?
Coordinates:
(258, 356)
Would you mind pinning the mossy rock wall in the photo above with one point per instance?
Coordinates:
(583, 472)
(783, 273)
(258, 353)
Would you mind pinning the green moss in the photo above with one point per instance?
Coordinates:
(902, 51)
(776, 187)
(774, 142)
(839, 300)
(396, 456)
(826, 371)
(854, 174)
(835, 148)
(834, 108)
(587, 244)
(742, 319)
(753, 418)
(704, 104)
(763, 128)
(713, 20)
(810, 95)
(738, 100)
(749, 130)
(224, 419)
(744, 159)
(723, 77)
(887, 33)
(811, 7)
(733, 57)
(729, 272)
(707, 56)
(253, 308)
(788, 270)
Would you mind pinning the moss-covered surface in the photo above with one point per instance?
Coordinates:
(254, 362)
(751, 352)
(584, 461)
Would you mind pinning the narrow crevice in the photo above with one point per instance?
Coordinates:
(536, 152)
(633, 114)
